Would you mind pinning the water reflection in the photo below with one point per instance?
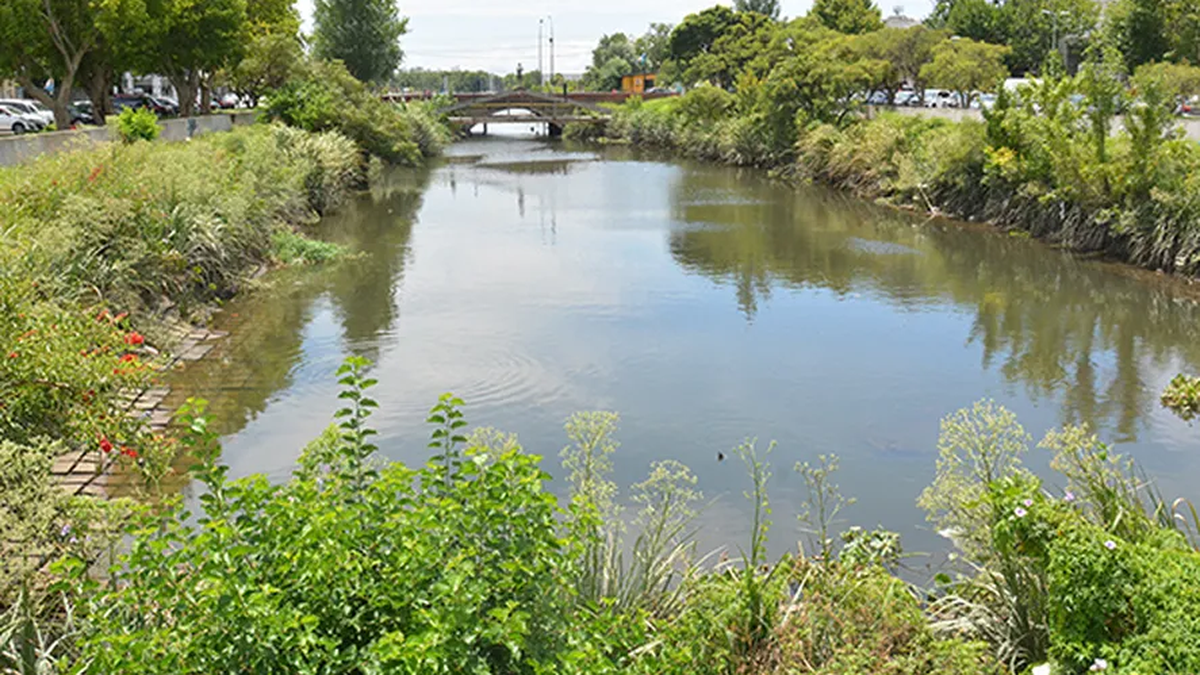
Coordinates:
(704, 304)
(267, 327)
(1051, 322)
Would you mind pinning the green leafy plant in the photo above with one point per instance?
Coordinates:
(137, 124)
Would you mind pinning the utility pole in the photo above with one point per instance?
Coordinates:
(551, 18)
(540, 22)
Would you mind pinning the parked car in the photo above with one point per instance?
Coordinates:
(940, 98)
(30, 107)
(81, 113)
(1190, 107)
(229, 101)
(878, 98)
(137, 101)
(18, 122)
(908, 98)
(984, 101)
(169, 105)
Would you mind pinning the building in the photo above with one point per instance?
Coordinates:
(638, 83)
(900, 21)
(9, 89)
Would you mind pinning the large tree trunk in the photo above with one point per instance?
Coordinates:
(185, 86)
(58, 102)
(206, 95)
(99, 86)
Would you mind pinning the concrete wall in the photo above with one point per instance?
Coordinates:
(1190, 125)
(17, 149)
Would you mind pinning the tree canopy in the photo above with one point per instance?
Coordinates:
(848, 16)
(363, 34)
(966, 66)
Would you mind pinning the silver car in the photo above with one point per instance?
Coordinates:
(18, 122)
(30, 107)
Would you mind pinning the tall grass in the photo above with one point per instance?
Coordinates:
(143, 225)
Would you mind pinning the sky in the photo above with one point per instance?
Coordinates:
(496, 35)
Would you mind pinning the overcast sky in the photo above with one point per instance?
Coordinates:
(495, 35)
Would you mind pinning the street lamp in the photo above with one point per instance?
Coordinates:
(1054, 36)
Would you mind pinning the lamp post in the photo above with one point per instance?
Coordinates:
(1054, 34)
(540, 23)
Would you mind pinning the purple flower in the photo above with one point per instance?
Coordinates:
(1020, 512)
(1110, 544)
(1069, 497)
(1028, 503)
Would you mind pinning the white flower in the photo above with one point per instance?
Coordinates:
(1099, 665)
(1043, 669)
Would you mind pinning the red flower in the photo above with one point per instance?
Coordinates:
(129, 358)
(129, 452)
(118, 371)
(102, 315)
(135, 339)
(95, 174)
(120, 317)
(105, 445)
(13, 355)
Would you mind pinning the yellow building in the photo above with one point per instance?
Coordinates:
(638, 84)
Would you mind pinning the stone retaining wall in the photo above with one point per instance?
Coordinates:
(17, 149)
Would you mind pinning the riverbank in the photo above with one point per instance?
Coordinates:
(1038, 167)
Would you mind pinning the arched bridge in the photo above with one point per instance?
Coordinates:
(529, 107)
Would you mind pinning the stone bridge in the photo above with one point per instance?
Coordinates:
(527, 107)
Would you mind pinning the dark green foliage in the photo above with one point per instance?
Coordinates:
(362, 34)
(1136, 605)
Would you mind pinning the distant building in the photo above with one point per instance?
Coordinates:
(900, 21)
(638, 83)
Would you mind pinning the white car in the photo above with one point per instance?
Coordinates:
(18, 122)
(31, 108)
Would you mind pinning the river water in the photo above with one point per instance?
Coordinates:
(706, 305)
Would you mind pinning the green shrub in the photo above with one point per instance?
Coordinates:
(291, 248)
(326, 97)
(1134, 605)
(348, 567)
(137, 124)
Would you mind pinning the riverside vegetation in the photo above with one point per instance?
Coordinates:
(105, 246)
(468, 564)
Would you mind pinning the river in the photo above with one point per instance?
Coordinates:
(706, 305)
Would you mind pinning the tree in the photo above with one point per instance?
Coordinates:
(743, 40)
(966, 67)
(271, 60)
(44, 41)
(848, 16)
(189, 41)
(905, 51)
(612, 59)
(769, 8)
(654, 46)
(363, 34)
(696, 35)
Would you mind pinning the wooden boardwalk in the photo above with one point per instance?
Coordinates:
(90, 471)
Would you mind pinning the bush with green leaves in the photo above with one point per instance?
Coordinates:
(137, 124)
(326, 97)
(351, 566)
